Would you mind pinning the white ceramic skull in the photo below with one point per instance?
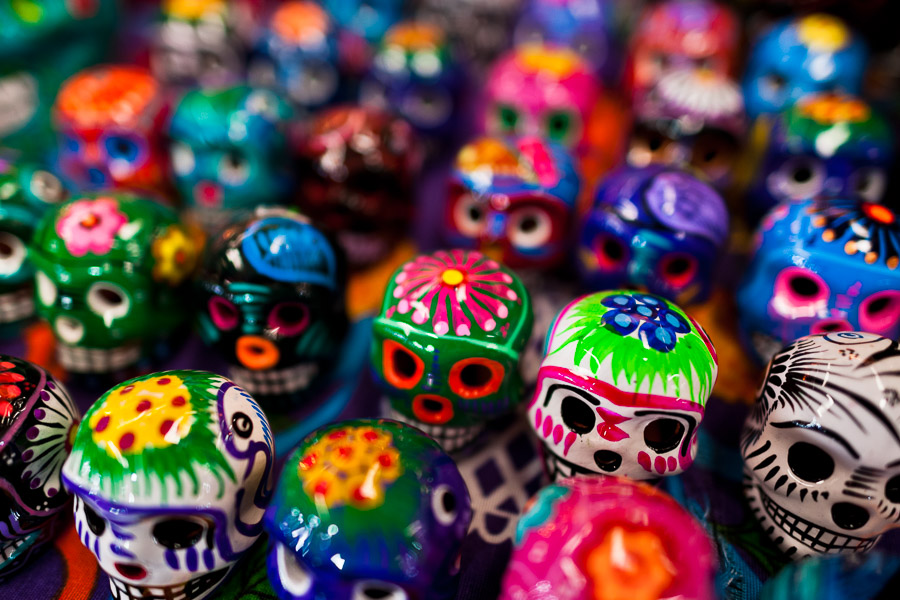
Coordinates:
(821, 447)
(172, 473)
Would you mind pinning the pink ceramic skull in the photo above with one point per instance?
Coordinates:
(544, 91)
(609, 538)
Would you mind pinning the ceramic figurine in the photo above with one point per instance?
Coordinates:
(448, 341)
(110, 122)
(586, 26)
(357, 169)
(544, 91)
(368, 20)
(229, 151)
(622, 387)
(197, 43)
(514, 199)
(609, 538)
(110, 275)
(271, 296)
(821, 266)
(415, 74)
(691, 118)
(682, 34)
(44, 43)
(655, 227)
(798, 56)
(821, 447)
(367, 509)
(36, 420)
(26, 193)
(824, 145)
(172, 473)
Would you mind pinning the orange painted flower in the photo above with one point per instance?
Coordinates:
(111, 95)
(630, 565)
(301, 23)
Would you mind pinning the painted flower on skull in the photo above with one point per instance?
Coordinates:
(175, 254)
(90, 226)
(353, 465)
(8, 389)
(870, 229)
(54, 428)
(426, 284)
(655, 322)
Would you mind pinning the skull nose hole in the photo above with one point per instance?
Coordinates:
(849, 516)
(432, 406)
(608, 460)
(376, 593)
(257, 353)
(131, 571)
(435, 410)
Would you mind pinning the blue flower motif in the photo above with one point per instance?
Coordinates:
(658, 324)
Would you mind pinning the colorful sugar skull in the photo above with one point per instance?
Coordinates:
(692, 118)
(682, 34)
(229, 150)
(543, 91)
(655, 228)
(622, 387)
(821, 266)
(812, 53)
(821, 447)
(37, 419)
(356, 178)
(110, 273)
(367, 19)
(824, 145)
(415, 74)
(110, 122)
(585, 26)
(298, 53)
(197, 43)
(609, 538)
(447, 344)
(272, 302)
(514, 199)
(26, 192)
(380, 496)
(172, 473)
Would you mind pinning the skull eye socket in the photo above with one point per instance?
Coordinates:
(475, 377)
(289, 318)
(224, 314)
(12, 254)
(94, 521)
(177, 533)
(663, 435)
(799, 288)
(242, 425)
(108, 301)
(577, 415)
(678, 269)
(402, 368)
(444, 505)
(809, 462)
(378, 590)
(880, 311)
(892, 489)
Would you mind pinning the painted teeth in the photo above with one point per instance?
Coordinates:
(273, 382)
(10, 547)
(16, 305)
(560, 468)
(97, 360)
(450, 438)
(192, 590)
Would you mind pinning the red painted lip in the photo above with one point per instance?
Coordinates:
(131, 571)
(208, 194)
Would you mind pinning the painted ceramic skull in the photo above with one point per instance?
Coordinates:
(657, 228)
(172, 473)
(26, 193)
(821, 447)
(543, 91)
(110, 121)
(110, 268)
(623, 387)
(608, 538)
(272, 302)
(806, 54)
(824, 145)
(448, 341)
(513, 199)
(367, 509)
(37, 420)
(821, 266)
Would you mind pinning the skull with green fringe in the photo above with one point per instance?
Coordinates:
(622, 387)
(171, 474)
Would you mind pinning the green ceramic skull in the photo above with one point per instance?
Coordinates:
(447, 343)
(110, 274)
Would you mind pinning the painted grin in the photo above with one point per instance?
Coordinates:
(193, 589)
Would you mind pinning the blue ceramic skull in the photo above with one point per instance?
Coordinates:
(821, 266)
(367, 509)
(812, 53)
(824, 145)
(654, 228)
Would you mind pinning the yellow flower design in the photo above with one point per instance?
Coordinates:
(194, 9)
(352, 465)
(823, 33)
(175, 254)
(833, 108)
(153, 413)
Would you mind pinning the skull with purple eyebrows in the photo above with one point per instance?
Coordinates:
(821, 447)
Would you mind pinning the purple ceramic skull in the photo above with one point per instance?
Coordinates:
(36, 420)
